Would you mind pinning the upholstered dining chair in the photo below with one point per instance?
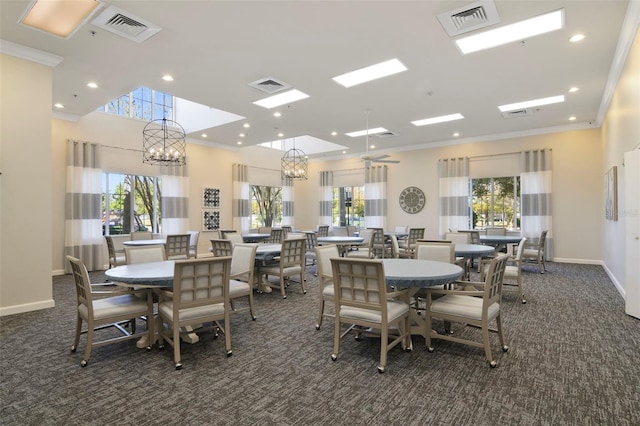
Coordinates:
(221, 248)
(178, 246)
(535, 252)
(106, 308)
(144, 254)
(512, 272)
(477, 308)
(324, 254)
(276, 236)
(241, 278)
(360, 297)
(364, 249)
(323, 230)
(116, 258)
(408, 246)
(460, 238)
(193, 243)
(200, 295)
(235, 238)
(290, 263)
(141, 235)
(312, 242)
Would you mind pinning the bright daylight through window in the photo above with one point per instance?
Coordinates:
(348, 206)
(266, 206)
(496, 202)
(130, 203)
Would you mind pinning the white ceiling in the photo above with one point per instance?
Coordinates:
(214, 49)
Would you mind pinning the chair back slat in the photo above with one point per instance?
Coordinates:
(292, 252)
(178, 245)
(201, 282)
(494, 279)
(83, 284)
(221, 248)
(360, 283)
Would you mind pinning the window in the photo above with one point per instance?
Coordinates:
(143, 103)
(348, 206)
(266, 206)
(122, 213)
(496, 202)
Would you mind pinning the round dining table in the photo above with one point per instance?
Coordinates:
(149, 274)
(342, 241)
(500, 241)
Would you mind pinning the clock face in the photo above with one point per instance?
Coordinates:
(412, 199)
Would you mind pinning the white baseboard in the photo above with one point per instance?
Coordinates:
(57, 272)
(27, 307)
(615, 282)
(579, 261)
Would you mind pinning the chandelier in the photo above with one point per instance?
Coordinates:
(294, 164)
(164, 143)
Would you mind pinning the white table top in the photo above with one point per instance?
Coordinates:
(500, 239)
(150, 274)
(145, 243)
(266, 252)
(473, 250)
(339, 239)
(419, 273)
(252, 237)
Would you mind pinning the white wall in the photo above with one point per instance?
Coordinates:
(25, 186)
(577, 188)
(621, 133)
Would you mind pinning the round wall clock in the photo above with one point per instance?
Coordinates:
(412, 199)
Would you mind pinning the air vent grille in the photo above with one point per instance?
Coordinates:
(469, 18)
(124, 24)
(269, 85)
(518, 113)
(385, 135)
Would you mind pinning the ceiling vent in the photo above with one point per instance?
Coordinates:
(385, 134)
(126, 25)
(469, 18)
(519, 113)
(269, 85)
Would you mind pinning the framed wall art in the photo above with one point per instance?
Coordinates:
(210, 220)
(611, 194)
(210, 197)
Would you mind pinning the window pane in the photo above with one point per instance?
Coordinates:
(266, 206)
(124, 213)
(496, 202)
(348, 206)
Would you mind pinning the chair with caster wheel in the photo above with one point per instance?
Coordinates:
(107, 308)
(361, 300)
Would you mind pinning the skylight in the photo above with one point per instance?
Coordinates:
(436, 120)
(364, 132)
(531, 103)
(514, 32)
(281, 99)
(309, 144)
(373, 72)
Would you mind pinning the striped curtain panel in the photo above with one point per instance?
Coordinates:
(174, 201)
(287, 202)
(535, 190)
(241, 210)
(375, 196)
(453, 188)
(83, 211)
(326, 198)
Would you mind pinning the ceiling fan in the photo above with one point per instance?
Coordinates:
(374, 158)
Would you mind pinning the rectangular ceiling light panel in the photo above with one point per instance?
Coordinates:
(58, 17)
(436, 120)
(281, 99)
(531, 103)
(514, 32)
(373, 72)
(369, 131)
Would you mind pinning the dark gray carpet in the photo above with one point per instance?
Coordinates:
(574, 360)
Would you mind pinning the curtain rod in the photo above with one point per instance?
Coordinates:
(119, 147)
(505, 153)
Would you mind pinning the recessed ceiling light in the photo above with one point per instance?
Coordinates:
(59, 17)
(572, 118)
(514, 32)
(242, 135)
(280, 135)
(277, 114)
(456, 134)
(576, 38)
(246, 125)
(344, 152)
(167, 77)
(58, 105)
(204, 135)
(239, 142)
(532, 103)
(334, 133)
(436, 120)
(364, 132)
(92, 85)
(372, 146)
(573, 90)
(281, 99)
(373, 72)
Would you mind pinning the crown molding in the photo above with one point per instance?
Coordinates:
(29, 54)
